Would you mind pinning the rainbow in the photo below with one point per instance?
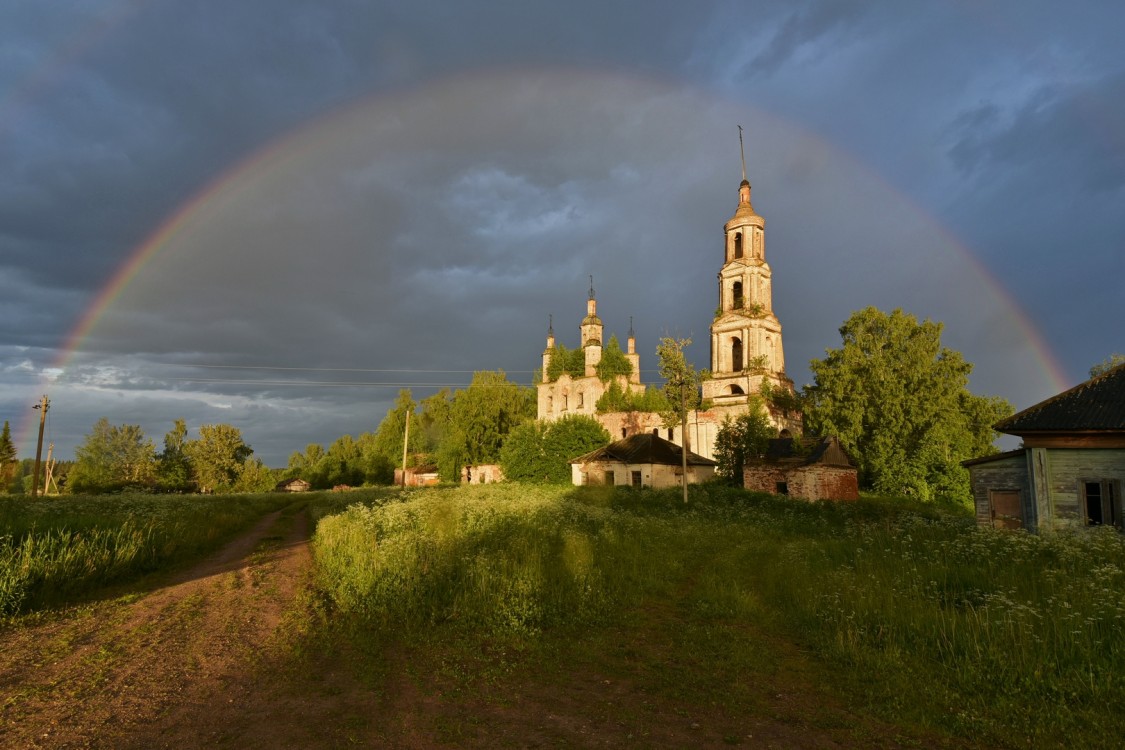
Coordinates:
(288, 150)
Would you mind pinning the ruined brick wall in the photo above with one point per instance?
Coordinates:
(815, 482)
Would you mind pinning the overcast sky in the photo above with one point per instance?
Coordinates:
(275, 213)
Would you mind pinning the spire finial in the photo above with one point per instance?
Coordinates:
(550, 325)
(742, 153)
(631, 334)
(591, 286)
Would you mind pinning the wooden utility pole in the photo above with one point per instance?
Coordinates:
(405, 446)
(683, 435)
(43, 405)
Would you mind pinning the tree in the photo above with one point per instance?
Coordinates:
(483, 414)
(7, 456)
(217, 457)
(255, 476)
(173, 469)
(392, 430)
(540, 451)
(740, 437)
(681, 388)
(112, 458)
(899, 403)
(613, 362)
(569, 361)
(1107, 364)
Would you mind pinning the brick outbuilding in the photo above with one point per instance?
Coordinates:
(804, 468)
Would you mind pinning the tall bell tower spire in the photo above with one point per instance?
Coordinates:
(745, 335)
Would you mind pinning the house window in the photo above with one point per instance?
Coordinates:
(636, 478)
(736, 354)
(609, 478)
(736, 291)
(738, 245)
(1101, 502)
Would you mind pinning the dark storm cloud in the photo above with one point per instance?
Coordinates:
(469, 213)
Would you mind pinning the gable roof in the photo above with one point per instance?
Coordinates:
(645, 448)
(826, 451)
(1096, 405)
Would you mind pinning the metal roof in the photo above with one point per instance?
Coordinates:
(1096, 405)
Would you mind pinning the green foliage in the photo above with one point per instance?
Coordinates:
(8, 462)
(781, 399)
(56, 549)
(483, 414)
(218, 456)
(741, 437)
(255, 476)
(1000, 639)
(569, 361)
(899, 402)
(173, 468)
(613, 362)
(1107, 364)
(540, 451)
(681, 381)
(615, 399)
(112, 458)
(392, 430)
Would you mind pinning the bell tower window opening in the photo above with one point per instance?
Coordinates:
(738, 245)
(736, 354)
(736, 294)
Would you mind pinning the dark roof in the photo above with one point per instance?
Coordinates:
(994, 457)
(813, 450)
(645, 448)
(1097, 404)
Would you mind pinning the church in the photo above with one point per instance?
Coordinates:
(746, 353)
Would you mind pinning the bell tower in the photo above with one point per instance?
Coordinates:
(745, 334)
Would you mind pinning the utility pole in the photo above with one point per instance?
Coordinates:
(43, 405)
(683, 435)
(405, 446)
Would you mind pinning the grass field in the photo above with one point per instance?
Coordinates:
(56, 550)
(1004, 639)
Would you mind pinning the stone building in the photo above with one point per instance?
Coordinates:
(804, 468)
(641, 460)
(746, 350)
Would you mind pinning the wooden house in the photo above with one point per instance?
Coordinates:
(804, 468)
(1071, 468)
(292, 485)
(643, 460)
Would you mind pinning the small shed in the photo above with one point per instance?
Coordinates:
(419, 476)
(808, 468)
(643, 460)
(296, 484)
(482, 474)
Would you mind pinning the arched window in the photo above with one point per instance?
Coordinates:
(623, 432)
(656, 431)
(737, 294)
(736, 354)
(737, 391)
(550, 403)
(564, 402)
(581, 399)
(671, 432)
(738, 245)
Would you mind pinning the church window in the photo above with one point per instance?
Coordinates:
(738, 245)
(736, 354)
(671, 432)
(656, 431)
(736, 391)
(737, 294)
(550, 404)
(623, 432)
(581, 399)
(564, 402)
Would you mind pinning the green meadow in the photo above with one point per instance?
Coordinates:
(905, 612)
(914, 613)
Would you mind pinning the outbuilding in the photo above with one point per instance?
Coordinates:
(296, 484)
(1071, 468)
(805, 468)
(644, 460)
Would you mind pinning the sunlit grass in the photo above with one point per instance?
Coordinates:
(1008, 639)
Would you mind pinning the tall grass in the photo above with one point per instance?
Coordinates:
(1007, 638)
(54, 550)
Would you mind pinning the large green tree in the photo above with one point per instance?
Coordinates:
(217, 457)
(742, 437)
(483, 414)
(540, 451)
(113, 457)
(173, 469)
(899, 402)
